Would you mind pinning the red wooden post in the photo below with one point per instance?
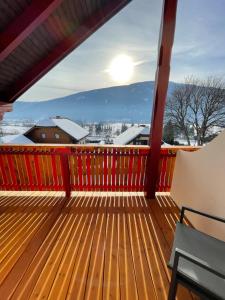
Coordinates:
(140, 158)
(4, 175)
(130, 170)
(114, 158)
(88, 166)
(80, 171)
(54, 172)
(166, 38)
(29, 171)
(106, 182)
(65, 171)
(4, 107)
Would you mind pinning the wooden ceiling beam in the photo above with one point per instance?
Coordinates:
(166, 38)
(20, 28)
(89, 26)
(5, 107)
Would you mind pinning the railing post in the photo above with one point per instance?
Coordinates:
(65, 171)
(161, 84)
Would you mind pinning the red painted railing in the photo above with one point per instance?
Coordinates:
(83, 168)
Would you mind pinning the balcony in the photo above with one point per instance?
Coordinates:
(83, 168)
(104, 240)
(77, 222)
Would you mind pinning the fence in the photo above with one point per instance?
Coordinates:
(84, 168)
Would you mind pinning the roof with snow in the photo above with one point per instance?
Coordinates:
(145, 131)
(45, 123)
(130, 134)
(68, 126)
(18, 139)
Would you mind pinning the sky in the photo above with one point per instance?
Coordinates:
(199, 48)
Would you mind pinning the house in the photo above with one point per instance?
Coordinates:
(135, 135)
(57, 130)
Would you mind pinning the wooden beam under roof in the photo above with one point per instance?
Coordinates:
(85, 29)
(5, 107)
(166, 38)
(20, 28)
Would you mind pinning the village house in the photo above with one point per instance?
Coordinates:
(135, 135)
(57, 130)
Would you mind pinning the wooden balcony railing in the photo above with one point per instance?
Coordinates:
(83, 168)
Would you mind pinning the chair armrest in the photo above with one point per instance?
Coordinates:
(201, 263)
(199, 213)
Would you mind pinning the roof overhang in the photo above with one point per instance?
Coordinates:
(36, 36)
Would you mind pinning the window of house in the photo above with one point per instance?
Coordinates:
(57, 136)
(43, 135)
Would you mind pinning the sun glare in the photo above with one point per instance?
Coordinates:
(121, 68)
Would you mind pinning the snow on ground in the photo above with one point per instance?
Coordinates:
(19, 127)
(13, 129)
(18, 139)
(184, 142)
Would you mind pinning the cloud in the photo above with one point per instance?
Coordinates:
(198, 48)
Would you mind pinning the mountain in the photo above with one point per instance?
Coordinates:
(127, 103)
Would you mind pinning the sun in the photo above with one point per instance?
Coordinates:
(121, 68)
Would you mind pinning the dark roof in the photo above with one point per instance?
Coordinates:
(35, 35)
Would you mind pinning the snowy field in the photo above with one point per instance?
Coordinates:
(13, 129)
(108, 130)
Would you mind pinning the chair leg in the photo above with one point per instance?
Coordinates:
(173, 289)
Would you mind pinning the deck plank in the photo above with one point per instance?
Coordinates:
(8, 286)
(111, 284)
(155, 264)
(31, 277)
(128, 285)
(95, 271)
(92, 246)
(143, 277)
(81, 266)
(47, 276)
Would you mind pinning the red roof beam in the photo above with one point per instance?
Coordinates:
(21, 27)
(89, 26)
(5, 107)
(166, 38)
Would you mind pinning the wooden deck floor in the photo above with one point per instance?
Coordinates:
(93, 246)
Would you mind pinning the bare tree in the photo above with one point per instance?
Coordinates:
(177, 109)
(198, 104)
(124, 127)
(1, 131)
